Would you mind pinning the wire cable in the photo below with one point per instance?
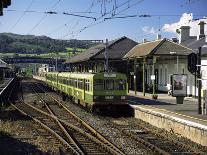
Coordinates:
(19, 19)
(43, 17)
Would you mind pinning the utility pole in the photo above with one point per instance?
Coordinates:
(143, 75)
(106, 66)
(134, 76)
(199, 81)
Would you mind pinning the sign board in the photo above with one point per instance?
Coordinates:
(152, 77)
(179, 85)
(109, 75)
(204, 74)
(131, 73)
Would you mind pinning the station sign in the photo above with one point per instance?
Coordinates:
(204, 74)
(152, 77)
(179, 85)
(109, 75)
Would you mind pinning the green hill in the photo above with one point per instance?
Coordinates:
(37, 45)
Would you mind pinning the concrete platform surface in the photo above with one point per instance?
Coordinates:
(165, 113)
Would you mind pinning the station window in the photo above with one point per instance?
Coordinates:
(98, 84)
(109, 85)
(65, 80)
(75, 83)
(87, 85)
(120, 84)
(80, 83)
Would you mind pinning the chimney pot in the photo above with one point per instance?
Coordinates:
(184, 33)
(144, 40)
(201, 26)
(158, 36)
(175, 40)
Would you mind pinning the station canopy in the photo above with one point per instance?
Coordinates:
(159, 47)
(116, 51)
(3, 64)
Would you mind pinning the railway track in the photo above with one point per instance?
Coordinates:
(74, 133)
(157, 142)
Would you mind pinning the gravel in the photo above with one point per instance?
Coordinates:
(20, 135)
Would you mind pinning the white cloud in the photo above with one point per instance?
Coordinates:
(149, 30)
(185, 20)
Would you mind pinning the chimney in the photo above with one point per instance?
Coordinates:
(175, 40)
(158, 36)
(184, 33)
(144, 40)
(201, 25)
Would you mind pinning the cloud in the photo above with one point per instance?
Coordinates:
(185, 20)
(149, 30)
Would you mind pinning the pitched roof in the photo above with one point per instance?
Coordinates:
(3, 64)
(194, 44)
(87, 54)
(158, 47)
(116, 50)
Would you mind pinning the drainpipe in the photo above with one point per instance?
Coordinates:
(153, 71)
(128, 81)
(135, 81)
(143, 81)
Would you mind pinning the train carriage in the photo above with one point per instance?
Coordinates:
(95, 91)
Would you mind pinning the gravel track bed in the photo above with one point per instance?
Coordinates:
(111, 128)
(20, 135)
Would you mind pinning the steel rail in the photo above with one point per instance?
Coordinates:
(65, 143)
(146, 143)
(81, 152)
(112, 147)
(72, 127)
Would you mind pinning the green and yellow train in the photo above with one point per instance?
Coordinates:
(94, 91)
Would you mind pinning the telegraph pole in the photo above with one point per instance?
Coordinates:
(199, 81)
(106, 66)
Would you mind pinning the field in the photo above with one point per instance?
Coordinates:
(69, 53)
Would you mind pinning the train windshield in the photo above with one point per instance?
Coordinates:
(120, 84)
(110, 84)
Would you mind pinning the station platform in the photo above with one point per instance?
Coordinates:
(6, 87)
(163, 112)
(4, 84)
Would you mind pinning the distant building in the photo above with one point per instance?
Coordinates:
(44, 68)
(5, 70)
(93, 59)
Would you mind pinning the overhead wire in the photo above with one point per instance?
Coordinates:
(19, 19)
(43, 17)
(76, 23)
(101, 17)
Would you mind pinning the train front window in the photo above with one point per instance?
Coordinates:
(120, 84)
(109, 85)
(98, 84)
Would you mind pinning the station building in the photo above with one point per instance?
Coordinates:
(93, 59)
(161, 57)
(5, 71)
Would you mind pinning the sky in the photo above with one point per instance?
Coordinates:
(103, 19)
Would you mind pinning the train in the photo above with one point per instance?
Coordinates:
(95, 91)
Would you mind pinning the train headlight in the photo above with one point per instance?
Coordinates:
(123, 97)
(109, 97)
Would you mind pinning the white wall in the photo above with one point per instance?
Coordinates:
(168, 67)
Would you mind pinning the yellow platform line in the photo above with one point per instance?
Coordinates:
(171, 112)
